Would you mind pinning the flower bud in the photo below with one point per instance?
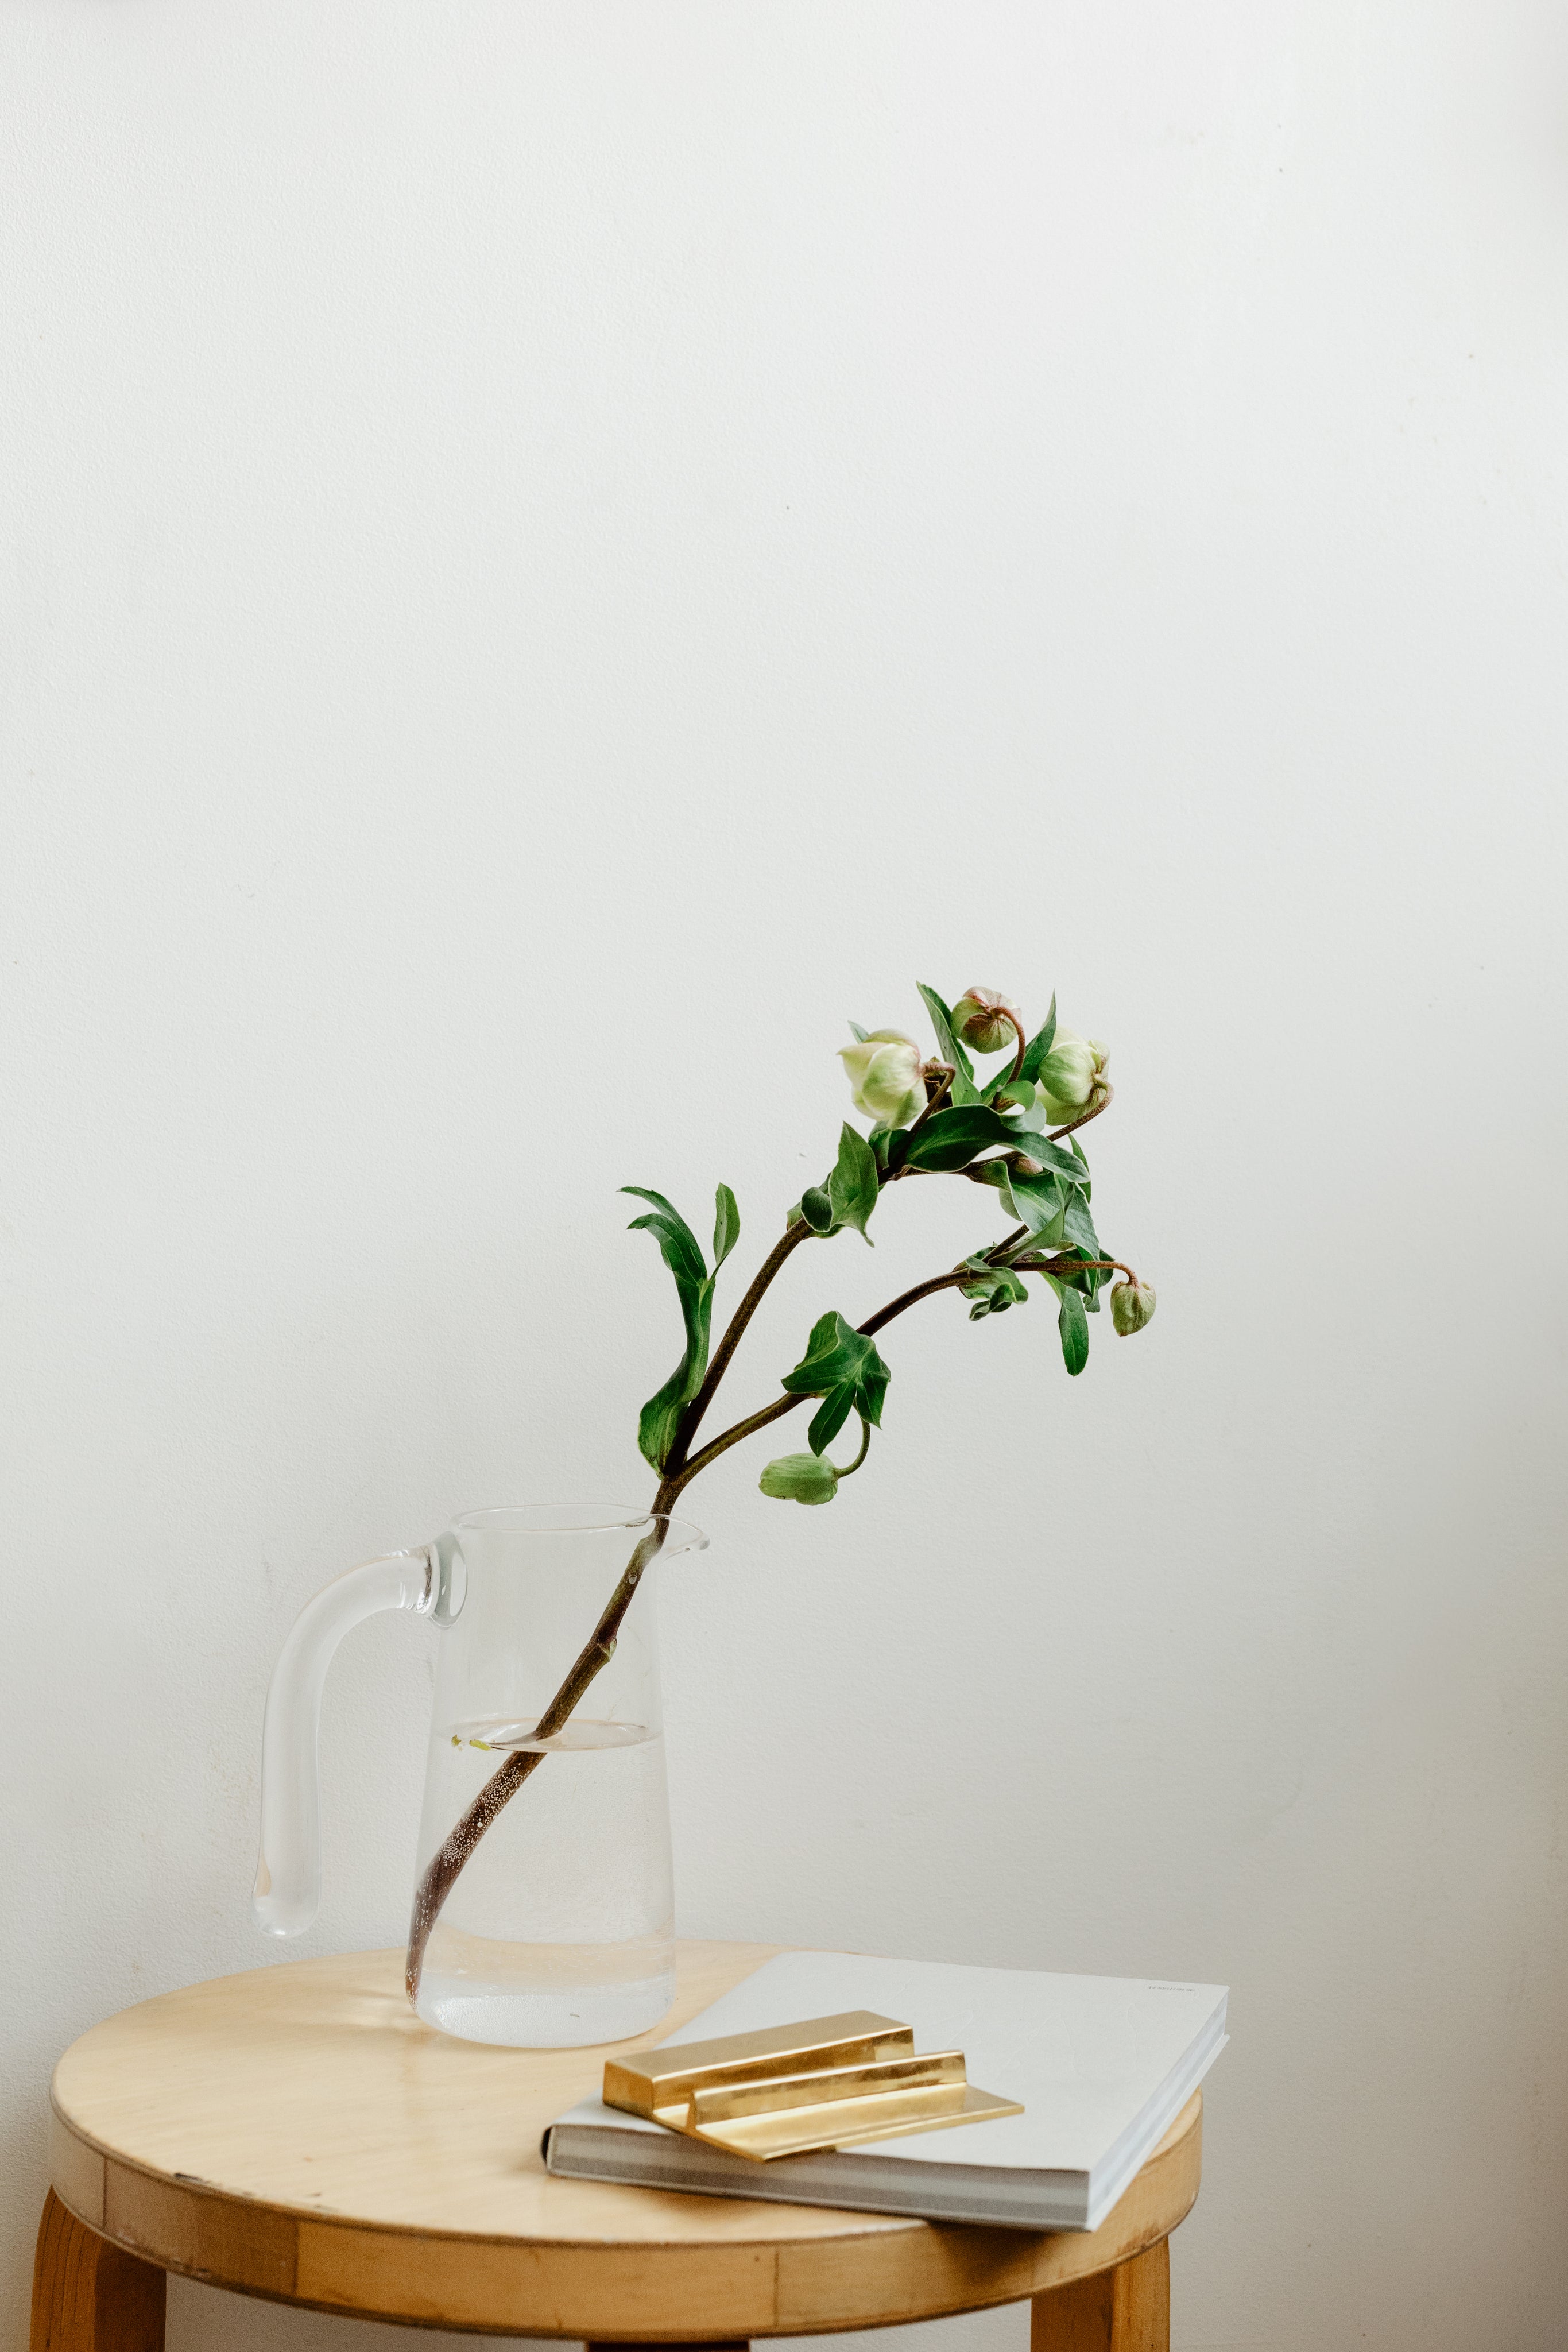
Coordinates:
(1132, 1304)
(801, 1478)
(979, 1018)
(1067, 1075)
(884, 1073)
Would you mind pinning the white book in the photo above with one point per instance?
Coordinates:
(1103, 2066)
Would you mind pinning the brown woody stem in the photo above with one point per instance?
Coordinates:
(790, 1239)
(1073, 1265)
(912, 1299)
(710, 1452)
(440, 1873)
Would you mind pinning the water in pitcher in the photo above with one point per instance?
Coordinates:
(559, 1929)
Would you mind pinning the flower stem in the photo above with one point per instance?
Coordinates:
(440, 1873)
(850, 1468)
(711, 1451)
(790, 1239)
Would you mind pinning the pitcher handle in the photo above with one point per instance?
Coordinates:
(289, 1873)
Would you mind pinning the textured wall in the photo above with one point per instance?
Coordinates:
(552, 554)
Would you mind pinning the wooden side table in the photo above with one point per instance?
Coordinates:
(296, 2133)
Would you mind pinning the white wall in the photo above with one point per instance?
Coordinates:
(553, 554)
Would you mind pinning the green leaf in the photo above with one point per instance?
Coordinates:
(951, 1138)
(1016, 1096)
(661, 1415)
(856, 1182)
(859, 1035)
(850, 1193)
(726, 1225)
(1061, 1161)
(676, 1239)
(846, 1368)
(1078, 1227)
(830, 1416)
(817, 1208)
(1039, 1045)
(951, 1049)
(1035, 1200)
(994, 1289)
(1074, 1327)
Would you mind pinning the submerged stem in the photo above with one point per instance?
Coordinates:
(440, 1873)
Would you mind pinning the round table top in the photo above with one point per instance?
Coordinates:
(295, 2132)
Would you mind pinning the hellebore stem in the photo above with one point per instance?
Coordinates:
(860, 1457)
(1017, 1032)
(790, 1239)
(442, 1872)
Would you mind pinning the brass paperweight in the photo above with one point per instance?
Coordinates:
(830, 2082)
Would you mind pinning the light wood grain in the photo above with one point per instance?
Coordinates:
(91, 2296)
(1124, 2310)
(294, 2132)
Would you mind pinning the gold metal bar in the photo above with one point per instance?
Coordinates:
(830, 2082)
(649, 2080)
(720, 2101)
(851, 2123)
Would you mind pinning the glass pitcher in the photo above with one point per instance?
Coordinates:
(558, 1929)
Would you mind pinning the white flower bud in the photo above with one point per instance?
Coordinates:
(1067, 1075)
(885, 1073)
(1132, 1304)
(979, 1018)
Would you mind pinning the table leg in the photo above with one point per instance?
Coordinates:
(91, 2296)
(1124, 2310)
